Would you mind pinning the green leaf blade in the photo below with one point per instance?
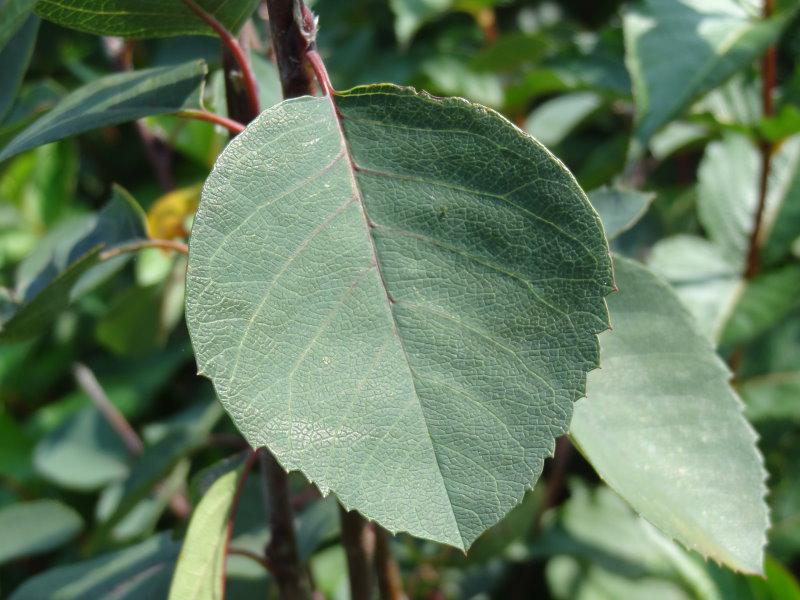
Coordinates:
(36, 527)
(663, 427)
(112, 100)
(393, 323)
(144, 18)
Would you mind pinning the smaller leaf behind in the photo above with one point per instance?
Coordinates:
(663, 427)
(112, 100)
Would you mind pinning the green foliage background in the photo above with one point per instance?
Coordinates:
(676, 116)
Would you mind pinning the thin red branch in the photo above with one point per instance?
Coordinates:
(390, 583)
(358, 541)
(88, 383)
(768, 75)
(237, 496)
(321, 73)
(252, 556)
(239, 55)
(148, 243)
(203, 115)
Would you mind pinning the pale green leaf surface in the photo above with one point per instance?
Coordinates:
(14, 59)
(555, 119)
(663, 427)
(619, 209)
(34, 527)
(715, 39)
(437, 343)
(198, 574)
(144, 18)
(703, 278)
(728, 191)
(134, 573)
(111, 100)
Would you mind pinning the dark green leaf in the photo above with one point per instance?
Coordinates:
(13, 14)
(14, 59)
(36, 527)
(619, 209)
(144, 18)
(114, 99)
(52, 277)
(772, 397)
(715, 40)
(438, 343)
(135, 573)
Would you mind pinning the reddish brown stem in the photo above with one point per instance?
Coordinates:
(237, 496)
(390, 583)
(768, 71)
(321, 73)
(141, 244)
(236, 51)
(281, 553)
(203, 115)
(255, 557)
(289, 46)
(358, 540)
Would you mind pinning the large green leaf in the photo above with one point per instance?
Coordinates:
(114, 99)
(144, 18)
(134, 573)
(663, 427)
(713, 39)
(35, 527)
(70, 264)
(415, 289)
(198, 574)
(728, 191)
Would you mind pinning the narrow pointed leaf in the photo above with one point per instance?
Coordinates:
(112, 100)
(140, 571)
(35, 527)
(14, 59)
(663, 427)
(49, 280)
(715, 39)
(198, 574)
(144, 18)
(402, 303)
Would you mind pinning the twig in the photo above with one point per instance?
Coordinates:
(358, 540)
(203, 115)
(237, 496)
(390, 583)
(321, 73)
(85, 378)
(281, 552)
(556, 479)
(232, 46)
(88, 383)
(252, 556)
(768, 69)
(289, 46)
(141, 244)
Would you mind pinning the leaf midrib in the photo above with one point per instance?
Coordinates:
(390, 302)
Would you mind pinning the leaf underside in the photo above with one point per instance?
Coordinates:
(401, 301)
(663, 427)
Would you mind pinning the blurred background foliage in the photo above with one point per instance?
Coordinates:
(554, 68)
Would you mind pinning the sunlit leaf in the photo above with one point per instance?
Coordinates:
(439, 342)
